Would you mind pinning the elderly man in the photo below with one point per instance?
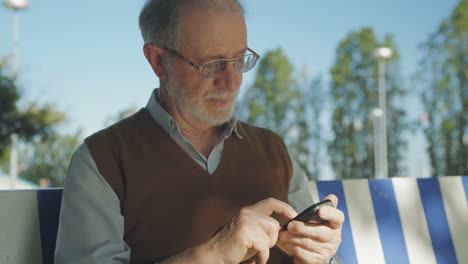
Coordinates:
(182, 181)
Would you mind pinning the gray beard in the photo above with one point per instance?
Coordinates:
(190, 107)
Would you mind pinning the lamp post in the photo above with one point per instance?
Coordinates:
(376, 117)
(382, 55)
(16, 5)
(13, 161)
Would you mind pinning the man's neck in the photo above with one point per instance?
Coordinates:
(203, 137)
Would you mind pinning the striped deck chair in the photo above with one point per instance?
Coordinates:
(388, 221)
(401, 220)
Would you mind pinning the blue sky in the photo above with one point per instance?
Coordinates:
(86, 56)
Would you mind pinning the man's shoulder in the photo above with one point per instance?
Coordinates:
(120, 126)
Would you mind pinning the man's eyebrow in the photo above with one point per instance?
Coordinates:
(219, 56)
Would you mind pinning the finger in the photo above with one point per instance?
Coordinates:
(332, 198)
(298, 261)
(271, 227)
(263, 223)
(308, 244)
(304, 256)
(272, 205)
(321, 233)
(262, 256)
(301, 241)
(261, 246)
(301, 255)
(334, 217)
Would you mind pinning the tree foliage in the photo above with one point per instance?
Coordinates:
(36, 126)
(274, 101)
(126, 112)
(443, 75)
(272, 93)
(309, 148)
(34, 121)
(49, 158)
(354, 94)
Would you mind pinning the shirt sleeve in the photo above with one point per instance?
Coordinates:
(299, 195)
(91, 226)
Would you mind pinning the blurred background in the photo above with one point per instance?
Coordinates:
(345, 108)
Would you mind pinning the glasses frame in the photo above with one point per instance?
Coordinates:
(200, 67)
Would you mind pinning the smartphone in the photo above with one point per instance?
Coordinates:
(309, 214)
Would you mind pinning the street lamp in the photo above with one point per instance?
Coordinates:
(16, 5)
(13, 161)
(382, 55)
(376, 117)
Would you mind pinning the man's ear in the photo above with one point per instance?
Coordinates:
(154, 55)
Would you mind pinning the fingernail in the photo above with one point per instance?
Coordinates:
(291, 225)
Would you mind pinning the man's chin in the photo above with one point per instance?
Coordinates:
(219, 118)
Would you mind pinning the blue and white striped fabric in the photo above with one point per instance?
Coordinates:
(401, 220)
(398, 220)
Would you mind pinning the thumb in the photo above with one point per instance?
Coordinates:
(332, 198)
(272, 205)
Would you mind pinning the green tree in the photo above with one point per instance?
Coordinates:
(274, 102)
(354, 93)
(443, 75)
(49, 158)
(272, 93)
(120, 115)
(36, 126)
(308, 146)
(300, 133)
(314, 99)
(34, 121)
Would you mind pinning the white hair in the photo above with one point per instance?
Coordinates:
(160, 19)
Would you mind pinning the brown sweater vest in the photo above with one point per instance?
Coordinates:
(168, 201)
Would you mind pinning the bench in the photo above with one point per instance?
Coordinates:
(399, 220)
(28, 225)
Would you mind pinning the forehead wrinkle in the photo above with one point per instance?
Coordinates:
(201, 40)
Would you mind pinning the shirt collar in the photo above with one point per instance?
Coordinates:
(231, 128)
(169, 124)
(159, 114)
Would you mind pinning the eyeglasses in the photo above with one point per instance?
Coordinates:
(215, 68)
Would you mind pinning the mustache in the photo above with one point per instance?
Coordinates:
(221, 94)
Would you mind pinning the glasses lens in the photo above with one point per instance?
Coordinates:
(213, 69)
(246, 63)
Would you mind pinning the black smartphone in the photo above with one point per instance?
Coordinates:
(309, 214)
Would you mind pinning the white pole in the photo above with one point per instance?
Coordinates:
(16, 5)
(13, 161)
(376, 117)
(383, 121)
(15, 42)
(14, 137)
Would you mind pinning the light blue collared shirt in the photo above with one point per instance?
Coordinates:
(171, 127)
(91, 225)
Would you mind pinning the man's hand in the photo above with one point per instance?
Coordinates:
(253, 231)
(310, 243)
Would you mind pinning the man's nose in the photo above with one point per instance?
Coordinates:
(231, 78)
